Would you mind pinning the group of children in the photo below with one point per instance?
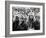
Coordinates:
(22, 23)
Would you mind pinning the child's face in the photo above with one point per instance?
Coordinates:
(20, 19)
(37, 18)
(31, 16)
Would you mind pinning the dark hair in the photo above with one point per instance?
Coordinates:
(17, 18)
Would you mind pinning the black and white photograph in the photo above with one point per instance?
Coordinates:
(24, 18)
